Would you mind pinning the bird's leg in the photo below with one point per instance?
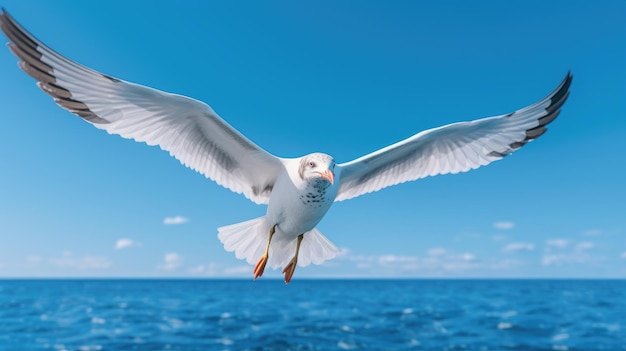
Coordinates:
(260, 266)
(291, 267)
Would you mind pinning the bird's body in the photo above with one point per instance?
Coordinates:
(298, 191)
(296, 205)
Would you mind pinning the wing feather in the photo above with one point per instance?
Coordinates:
(454, 148)
(189, 129)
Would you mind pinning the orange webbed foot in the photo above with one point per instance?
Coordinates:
(289, 269)
(260, 267)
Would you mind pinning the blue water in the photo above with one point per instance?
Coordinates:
(90, 315)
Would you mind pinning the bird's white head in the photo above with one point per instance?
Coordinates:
(318, 167)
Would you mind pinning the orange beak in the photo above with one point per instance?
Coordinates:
(328, 174)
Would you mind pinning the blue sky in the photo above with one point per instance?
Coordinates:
(345, 78)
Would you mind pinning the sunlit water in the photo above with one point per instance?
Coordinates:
(89, 315)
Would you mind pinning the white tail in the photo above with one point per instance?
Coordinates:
(248, 240)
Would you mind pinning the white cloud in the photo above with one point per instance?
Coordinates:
(363, 265)
(171, 261)
(175, 220)
(554, 260)
(358, 258)
(505, 264)
(343, 252)
(210, 269)
(518, 247)
(437, 261)
(199, 269)
(217, 270)
(436, 251)
(558, 243)
(467, 257)
(561, 259)
(460, 266)
(81, 263)
(503, 225)
(125, 243)
(585, 245)
(577, 254)
(392, 259)
(592, 232)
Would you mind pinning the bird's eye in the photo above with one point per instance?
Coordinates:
(311, 164)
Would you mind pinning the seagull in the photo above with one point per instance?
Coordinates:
(297, 191)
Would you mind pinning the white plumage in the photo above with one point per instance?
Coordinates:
(298, 191)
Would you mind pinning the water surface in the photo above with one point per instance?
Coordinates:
(188, 315)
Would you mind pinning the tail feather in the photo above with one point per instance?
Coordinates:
(248, 240)
(316, 249)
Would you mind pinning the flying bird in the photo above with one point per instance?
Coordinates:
(297, 191)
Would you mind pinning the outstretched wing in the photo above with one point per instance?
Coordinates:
(189, 129)
(453, 148)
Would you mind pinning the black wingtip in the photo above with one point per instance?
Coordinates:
(5, 17)
(557, 98)
(568, 76)
(560, 94)
(565, 84)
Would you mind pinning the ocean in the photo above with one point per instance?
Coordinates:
(86, 315)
